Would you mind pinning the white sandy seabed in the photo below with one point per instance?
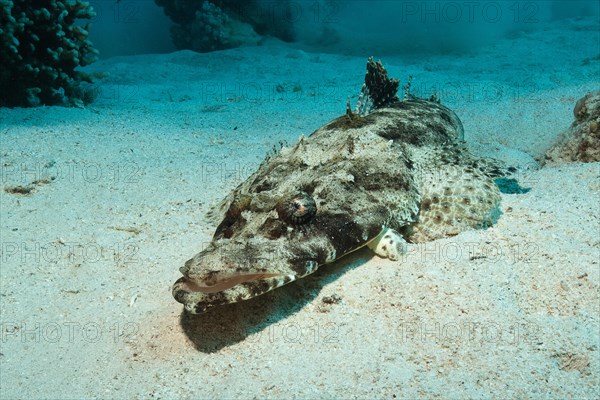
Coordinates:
(122, 186)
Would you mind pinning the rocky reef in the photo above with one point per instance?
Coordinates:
(581, 142)
(205, 26)
(42, 43)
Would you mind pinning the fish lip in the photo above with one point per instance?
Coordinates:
(197, 301)
(193, 302)
(194, 286)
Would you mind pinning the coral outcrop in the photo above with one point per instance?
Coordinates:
(42, 43)
(581, 142)
(204, 26)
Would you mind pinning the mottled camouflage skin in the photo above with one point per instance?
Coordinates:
(401, 167)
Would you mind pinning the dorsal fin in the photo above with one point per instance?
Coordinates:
(378, 90)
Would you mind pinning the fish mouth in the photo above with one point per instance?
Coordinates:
(197, 297)
(194, 286)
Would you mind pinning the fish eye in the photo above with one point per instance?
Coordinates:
(297, 210)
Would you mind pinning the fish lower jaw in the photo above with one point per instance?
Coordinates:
(197, 301)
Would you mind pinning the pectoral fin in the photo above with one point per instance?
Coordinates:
(388, 244)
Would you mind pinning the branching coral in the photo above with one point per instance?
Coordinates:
(204, 26)
(213, 29)
(581, 142)
(41, 47)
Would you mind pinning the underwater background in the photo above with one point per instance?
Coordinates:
(123, 122)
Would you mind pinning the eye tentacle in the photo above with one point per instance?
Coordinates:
(297, 210)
